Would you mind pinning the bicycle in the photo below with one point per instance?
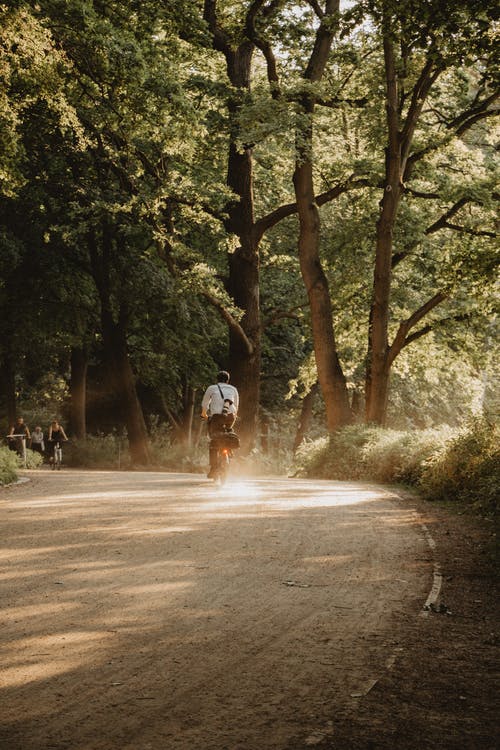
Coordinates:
(222, 465)
(56, 458)
(224, 442)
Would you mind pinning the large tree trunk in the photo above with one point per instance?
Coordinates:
(78, 383)
(9, 388)
(188, 397)
(305, 417)
(378, 366)
(114, 337)
(400, 132)
(331, 378)
(124, 388)
(243, 283)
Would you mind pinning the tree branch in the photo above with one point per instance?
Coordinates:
(420, 92)
(263, 44)
(426, 329)
(270, 220)
(316, 8)
(460, 125)
(443, 223)
(282, 314)
(477, 118)
(337, 102)
(443, 219)
(220, 38)
(421, 194)
(477, 108)
(322, 43)
(469, 230)
(230, 320)
(417, 335)
(401, 338)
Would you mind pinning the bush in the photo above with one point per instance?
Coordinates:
(370, 453)
(98, 452)
(399, 457)
(310, 458)
(8, 466)
(112, 452)
(178, 457)
(443, 464)
(33, 459)
(467, 468)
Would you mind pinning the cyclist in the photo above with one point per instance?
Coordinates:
(219, 405)
(16, 434)
(56, 435)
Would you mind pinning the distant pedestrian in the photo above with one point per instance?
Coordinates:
(37, 441)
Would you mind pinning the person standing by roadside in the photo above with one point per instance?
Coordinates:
(37, 441)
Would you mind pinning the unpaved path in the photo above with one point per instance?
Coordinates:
(154, 611)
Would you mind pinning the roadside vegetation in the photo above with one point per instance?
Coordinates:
(443, 464)
(10, 463)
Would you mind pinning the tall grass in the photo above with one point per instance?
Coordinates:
(8, 466)
(444, 464)
(111, 452)
(10, 463)
(467, 469)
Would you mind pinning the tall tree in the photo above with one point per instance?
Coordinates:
(330, 376)
(419, 46)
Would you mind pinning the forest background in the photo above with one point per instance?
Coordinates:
(303, 193)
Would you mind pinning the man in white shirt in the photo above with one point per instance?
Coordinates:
(220, 406)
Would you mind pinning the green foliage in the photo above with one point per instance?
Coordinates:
(111, 452)
(9, 466)
(450, 465)
(33, 459)
(173, 456)
(467, 468)
(371, 453)
(98, 452)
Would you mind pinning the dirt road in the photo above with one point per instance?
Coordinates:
(154, 611)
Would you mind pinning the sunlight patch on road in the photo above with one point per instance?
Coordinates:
(256, 498)
(155, 588)
(156, 530)
(323, 500)
(75, 498)
(37, 610)
(242, 490)
(250, 494)
(11, 554)
(328, 559)
(34, 659)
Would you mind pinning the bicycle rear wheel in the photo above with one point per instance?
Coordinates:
(222, 466)
(57, 459)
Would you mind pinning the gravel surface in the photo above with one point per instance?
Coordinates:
(155, 611)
